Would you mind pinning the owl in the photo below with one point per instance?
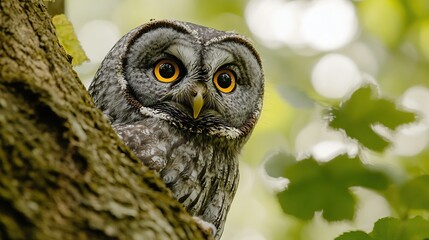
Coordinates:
(185, 98)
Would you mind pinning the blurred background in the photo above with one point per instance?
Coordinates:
(315, 53)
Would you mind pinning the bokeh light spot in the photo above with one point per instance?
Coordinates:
(322, 25)
(274, 22)
(329, 24)
(335, 75)
(411, 140)
(417, 98)
(97, 38)
(327, 150)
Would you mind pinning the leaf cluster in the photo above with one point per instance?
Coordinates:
(327, 187)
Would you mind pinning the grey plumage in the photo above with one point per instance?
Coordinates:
(194, 151)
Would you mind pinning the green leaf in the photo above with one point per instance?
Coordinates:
(395, 229)
(68, 39)
(415, 193)
(362, 111)
(277, 163)
(325, 186)
(387, 228)
(354, 235)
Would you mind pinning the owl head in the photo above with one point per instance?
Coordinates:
(196, 78)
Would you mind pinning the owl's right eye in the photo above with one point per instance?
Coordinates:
(166, 70)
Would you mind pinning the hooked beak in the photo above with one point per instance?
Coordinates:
(198, 100)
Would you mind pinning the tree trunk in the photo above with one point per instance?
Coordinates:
(64, 174)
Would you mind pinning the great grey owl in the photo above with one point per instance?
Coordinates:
(185, 99)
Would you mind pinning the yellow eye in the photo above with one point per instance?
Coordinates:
(224, 80)
(166, 70)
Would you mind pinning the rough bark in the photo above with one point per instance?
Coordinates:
(64, 174)
(55, 7)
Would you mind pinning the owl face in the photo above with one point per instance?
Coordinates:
(197, 78)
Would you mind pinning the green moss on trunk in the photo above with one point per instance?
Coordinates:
(64, 174)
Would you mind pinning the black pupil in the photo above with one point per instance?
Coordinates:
(224, 80)
(167, 70)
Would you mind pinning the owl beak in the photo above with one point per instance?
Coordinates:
(197, 103)
(198, 93)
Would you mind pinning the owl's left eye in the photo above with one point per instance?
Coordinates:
(166, 70)
(224, 80)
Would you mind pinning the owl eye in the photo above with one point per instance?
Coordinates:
(224, 80)
(167, 70)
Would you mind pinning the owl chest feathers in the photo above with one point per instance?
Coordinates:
(201, 171)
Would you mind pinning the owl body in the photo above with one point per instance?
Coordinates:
(185, 99)
(203, 176)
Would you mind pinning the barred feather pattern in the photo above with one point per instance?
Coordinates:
(202, 176)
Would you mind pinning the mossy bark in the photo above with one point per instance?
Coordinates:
(64, 174)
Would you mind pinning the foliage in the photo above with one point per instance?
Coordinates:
(315, 186)
(68, 39)
(325, 187)
(358, 115)
(393, 229)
